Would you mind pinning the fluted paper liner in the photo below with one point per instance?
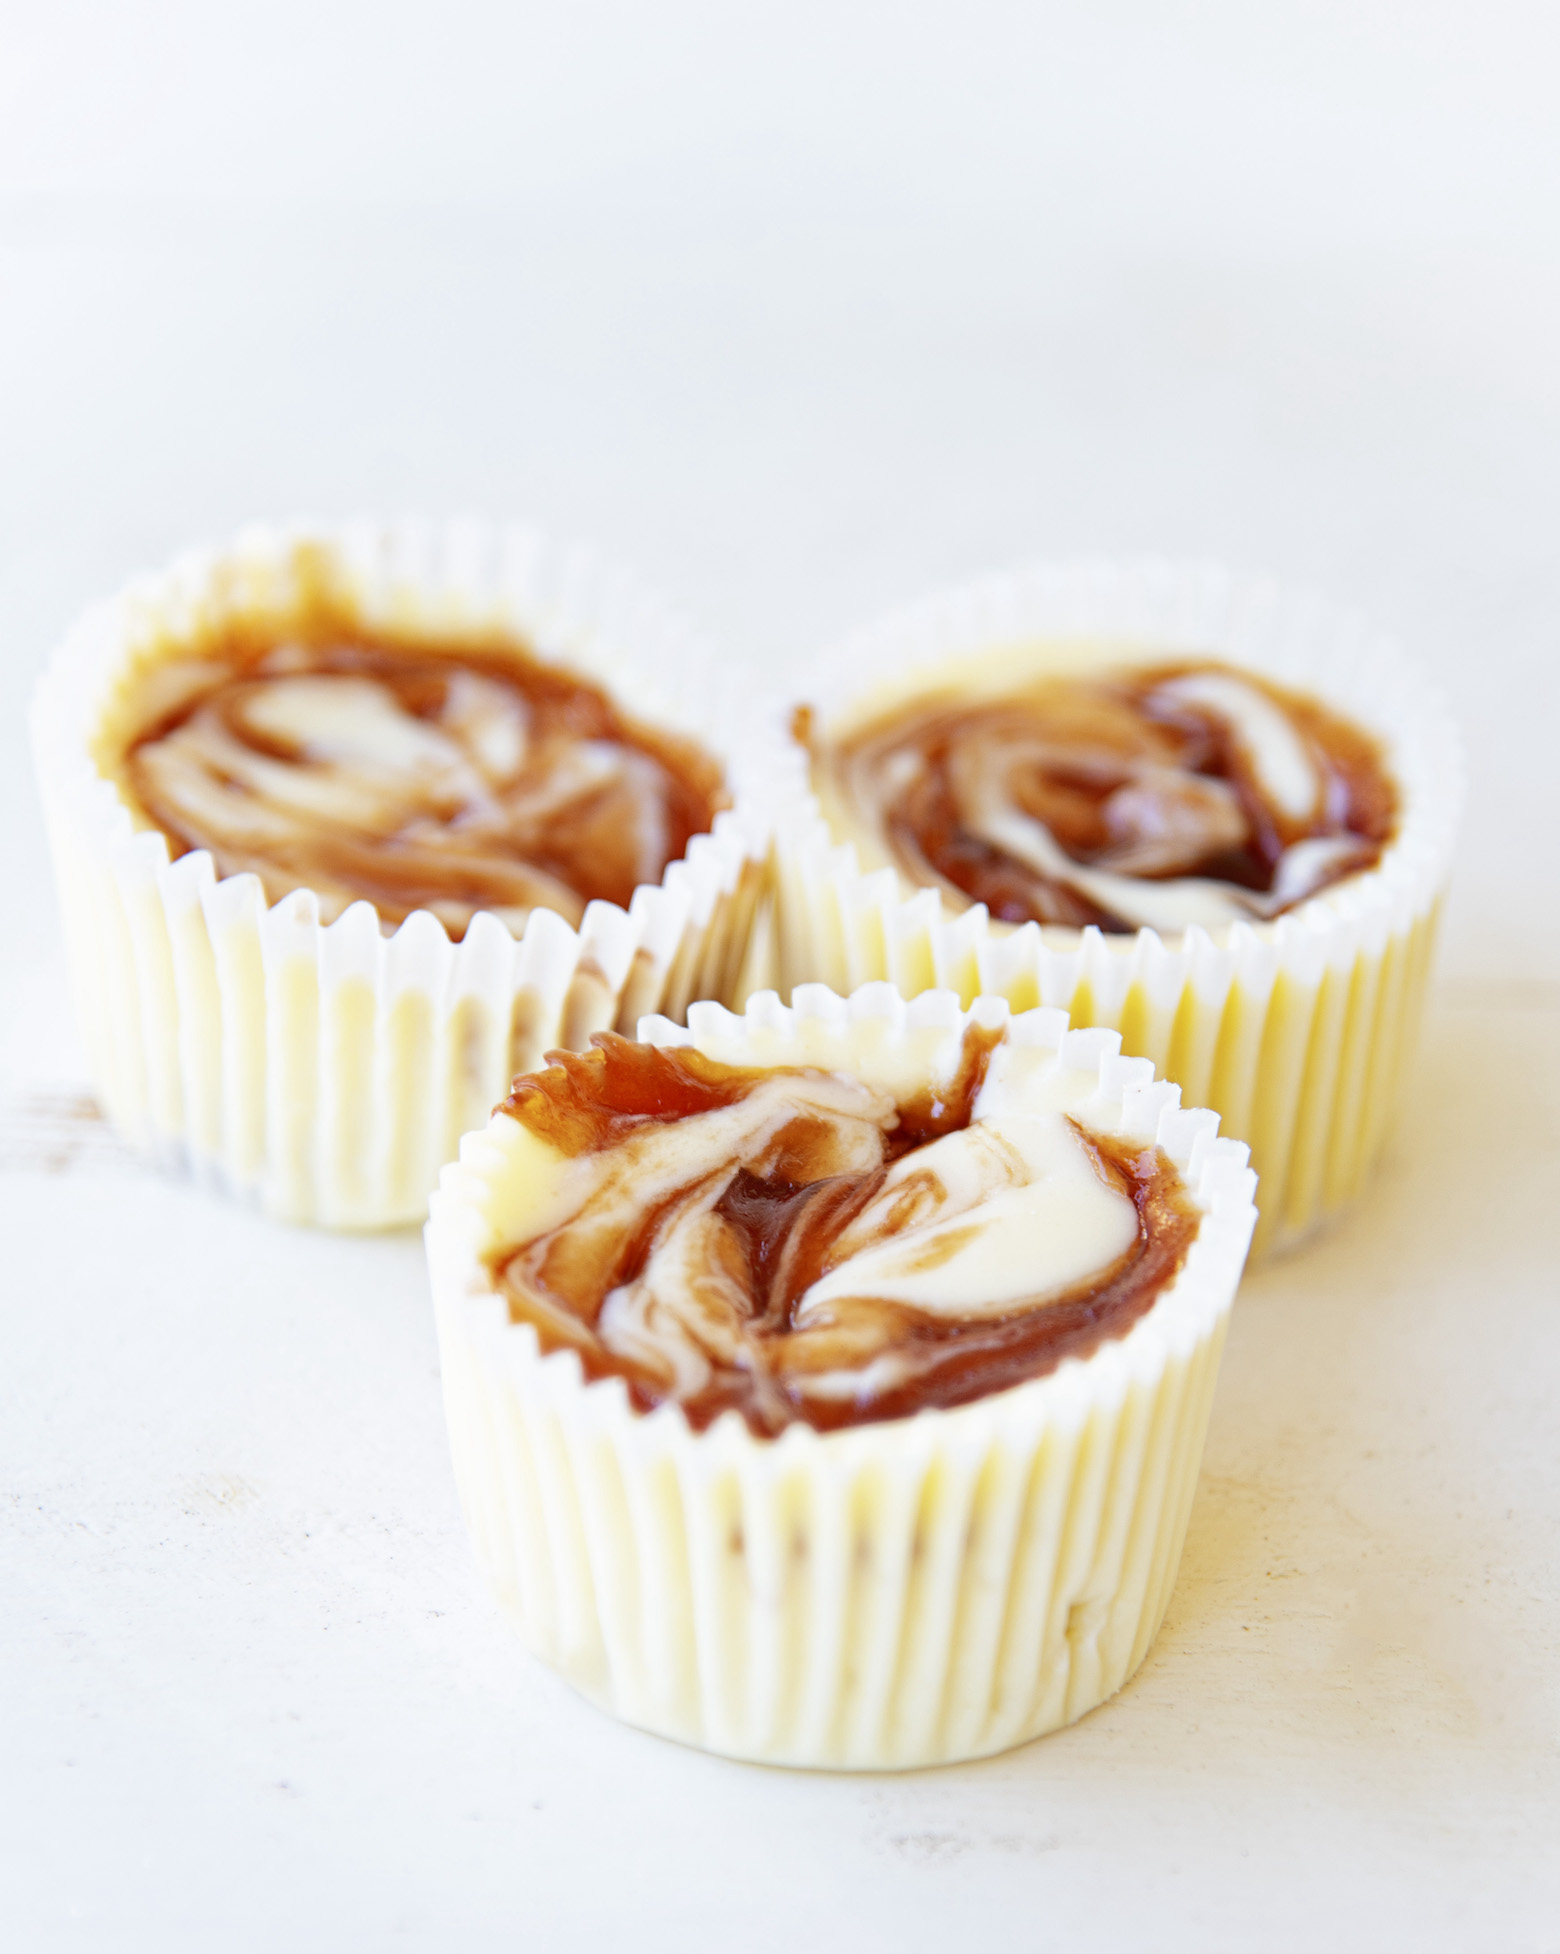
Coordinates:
(904, 1593)
(327, 1071)
(1297, 1031)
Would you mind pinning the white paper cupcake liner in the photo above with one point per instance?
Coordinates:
(905, 1593)
(1296, 1032)
(327, 1071)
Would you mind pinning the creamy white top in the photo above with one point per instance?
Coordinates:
(1100, 788)
(416, 782)
(1008, 1212)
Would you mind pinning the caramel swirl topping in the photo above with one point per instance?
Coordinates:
(416, 774)
(1161, 796)
(795, 1244)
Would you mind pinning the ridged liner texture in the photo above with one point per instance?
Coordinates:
(328, 1071)
(890, 1595)
(1296, 1032)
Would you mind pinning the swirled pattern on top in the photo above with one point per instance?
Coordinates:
(415, 774)
(795, 1244)
(1157, 796)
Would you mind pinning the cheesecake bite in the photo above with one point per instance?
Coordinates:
(826, 1386)
(351, 825)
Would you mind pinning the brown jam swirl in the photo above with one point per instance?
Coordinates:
(1050, 801)
(369, 762)
(769, 1227)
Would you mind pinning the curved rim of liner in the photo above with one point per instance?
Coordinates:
(1161, 607)
(563, 600)
(459, 1233)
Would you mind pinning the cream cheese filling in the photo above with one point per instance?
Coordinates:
(1157, 815)
(1010, 1210)
(290, 769)
(1005, 1213)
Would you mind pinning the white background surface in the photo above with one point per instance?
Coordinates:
(799, 309)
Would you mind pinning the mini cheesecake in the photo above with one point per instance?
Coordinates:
(1165, 800)
(351, 825)
(827, 1385)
